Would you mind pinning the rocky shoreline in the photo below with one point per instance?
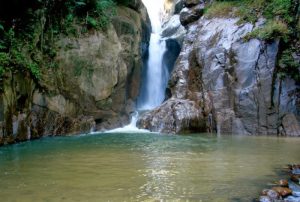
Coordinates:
(285, 190)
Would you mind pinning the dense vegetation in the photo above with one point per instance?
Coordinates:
(28, 29)
(282, 22)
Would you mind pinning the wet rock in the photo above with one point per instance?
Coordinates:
(283, 183)
(191, 3)
(188, 16)
(292, 199)
(296, 171)
(295, 178)
(291, 125)
(238, 76)
(282, 191)
(270, 193)
(178, 6)
(174, 116)
(265, 199)
(171, 54)
(173, 29)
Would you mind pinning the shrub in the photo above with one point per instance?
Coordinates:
(220, 9)
(91, 22)
(288, 65)
(279, 8)
(4, 62)
(272, 30)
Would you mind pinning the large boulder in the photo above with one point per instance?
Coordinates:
(174, 116)
(191, 3)
(189, 15)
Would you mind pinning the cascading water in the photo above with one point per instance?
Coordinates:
(155, 83)
(153, 91)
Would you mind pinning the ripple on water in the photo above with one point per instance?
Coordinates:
(141, 167)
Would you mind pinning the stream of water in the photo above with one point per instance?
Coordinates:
(155, 83)
(156, 78)
(143, 167)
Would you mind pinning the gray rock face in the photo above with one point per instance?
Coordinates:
(233, 81)
(290, 125)
(173, 29)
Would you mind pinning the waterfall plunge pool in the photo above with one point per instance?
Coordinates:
(143, 167)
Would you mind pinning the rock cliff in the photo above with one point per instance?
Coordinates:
(223, 83)
(94, 85)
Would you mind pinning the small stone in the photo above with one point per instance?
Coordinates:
(296, 171)
(292, 199)
(264, 192)
(273, 194)
(296, 193)
(270, 193)
(295, 178)
(283, 183)
(264, 199)
(282, 191)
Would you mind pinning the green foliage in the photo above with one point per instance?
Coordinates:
(104, 10)
(15, 58)
(92, 22)
(250, 10)
(279, 8)
(273, 29)
(277, 12)
(220, 9)
(27, 43)
(4, 62)
(288, 65)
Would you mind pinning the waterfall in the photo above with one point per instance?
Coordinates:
(156, 78)
(152, 92)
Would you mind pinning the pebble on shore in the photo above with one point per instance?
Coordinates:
(285, 190)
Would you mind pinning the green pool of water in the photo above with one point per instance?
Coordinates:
(143, 167)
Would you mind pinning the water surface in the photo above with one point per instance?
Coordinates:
(143, 167)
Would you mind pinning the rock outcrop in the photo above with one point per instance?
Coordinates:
(231, 84)
(93, 87)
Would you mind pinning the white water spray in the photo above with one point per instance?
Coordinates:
(156, 75)
(131, 128)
